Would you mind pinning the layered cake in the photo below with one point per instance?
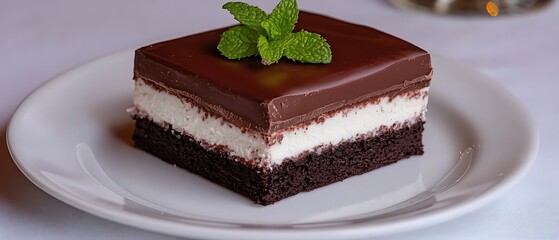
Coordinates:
(270, 132)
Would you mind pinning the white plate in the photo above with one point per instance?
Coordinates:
(71, 137)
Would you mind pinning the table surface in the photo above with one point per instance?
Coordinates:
(41, 39)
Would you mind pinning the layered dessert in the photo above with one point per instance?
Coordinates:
(270, 132)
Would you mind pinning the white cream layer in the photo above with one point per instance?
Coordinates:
(164, 108)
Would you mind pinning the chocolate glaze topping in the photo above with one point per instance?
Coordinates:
(366, 63)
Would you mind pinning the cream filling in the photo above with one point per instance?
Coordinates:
(164, 108)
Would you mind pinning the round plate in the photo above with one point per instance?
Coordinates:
(71, 137)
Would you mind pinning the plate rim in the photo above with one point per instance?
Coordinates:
(353, 231)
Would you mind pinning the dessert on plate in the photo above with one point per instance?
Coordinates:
(271, 131)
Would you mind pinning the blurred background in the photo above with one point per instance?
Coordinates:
(473, 7)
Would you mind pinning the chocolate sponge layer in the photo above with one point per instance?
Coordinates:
(309, 172)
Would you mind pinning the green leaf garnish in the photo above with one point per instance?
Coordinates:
(270, 52)
(247, 15)
(238, 42)
(271, 36)
(281, 21)
(308, 47)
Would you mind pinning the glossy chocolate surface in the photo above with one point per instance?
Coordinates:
(366, 63)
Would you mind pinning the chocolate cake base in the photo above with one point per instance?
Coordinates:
(291, 177)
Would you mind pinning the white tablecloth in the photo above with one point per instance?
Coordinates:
(40, 39)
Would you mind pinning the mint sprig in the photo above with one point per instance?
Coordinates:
(271, 36)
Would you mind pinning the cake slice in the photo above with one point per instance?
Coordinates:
(270, 132)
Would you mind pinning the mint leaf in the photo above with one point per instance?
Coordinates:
(248, 15)
(282, 20)
(270, 52)
(308, 47)
(238, 42)
(270, 36)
